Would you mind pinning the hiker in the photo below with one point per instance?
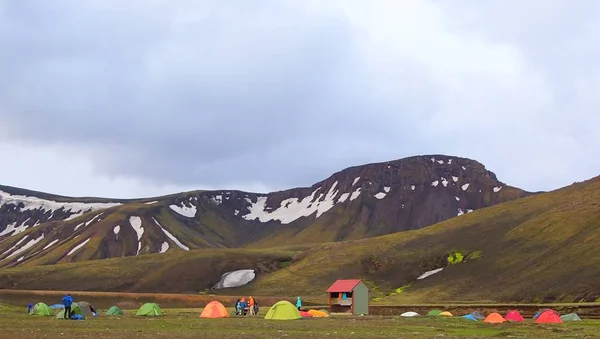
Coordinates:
(238, 309)
(29, 307)
(243, 306)
(251, 305)
(94, 313)
(67, 300)
(298, 303)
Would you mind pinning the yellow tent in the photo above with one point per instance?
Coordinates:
(447, 314)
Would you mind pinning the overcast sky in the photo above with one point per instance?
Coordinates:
(144, 97)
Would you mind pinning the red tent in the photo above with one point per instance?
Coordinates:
(548, 317)
(514, 316)
(305, 314)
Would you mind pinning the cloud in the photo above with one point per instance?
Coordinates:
(277, 94)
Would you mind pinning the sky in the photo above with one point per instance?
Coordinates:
(147, 97)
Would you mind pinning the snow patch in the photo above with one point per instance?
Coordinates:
(432, 159)
(151, 202)
(355, 181)
(457, 198)
(455, 179)
(291, 209)
(464, 168)
(15, 245)
(444, 182)
(469, 211)
(20, 259)
(355, 194)
(440, 162)
(236, 212)
(50, 244)
(429, 273)
(117, 229)
(78, 226)
(387, 189)
(78, 246)
(136, 224)
(34, 203)
(449, 161)
(460, 212)
(11, 228)
(380, 195)
(188, 212)
(435, 183)
(171, 236)
(343, 197)
(218, 199)
(497, 189)
(465, 186)
(412, 187)
(235, 279)
(27, 246)
(164, 247)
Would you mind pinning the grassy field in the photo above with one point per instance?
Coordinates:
(184, 323)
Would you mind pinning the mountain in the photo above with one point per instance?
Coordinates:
(355, 203)
(540, 248)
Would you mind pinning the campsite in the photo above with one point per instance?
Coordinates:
(148, 316)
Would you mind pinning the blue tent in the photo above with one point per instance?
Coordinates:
(470, 317)
(55, 306)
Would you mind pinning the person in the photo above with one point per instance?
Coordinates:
(251, 305)
(298, 303)
(243, 306)
(67, 300)
(238, 309)
(94, 313)
(29, 307)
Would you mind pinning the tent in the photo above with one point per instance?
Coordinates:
(410, 314)
(55, 306)
(446, 314)
(305, 314)
(477, 315)
(114, 310)
(514, 316)
(86, 308)
(75, 310)
(41, 309)
(283, 310)
(150, 309)
(470, 317)
(434, 313)
(494, 318)
(537, 314)
(318, 314)
(549, 317)
(570, 317)
(214, 309)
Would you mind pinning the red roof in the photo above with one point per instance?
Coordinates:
(343, 285)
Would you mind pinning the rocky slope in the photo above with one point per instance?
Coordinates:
(358, 202)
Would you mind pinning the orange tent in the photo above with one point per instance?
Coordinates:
(514, 316)
(549, 316)
(214, 309)
(318, 314)
(494, 318)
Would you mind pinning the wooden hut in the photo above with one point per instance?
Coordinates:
(349, 296)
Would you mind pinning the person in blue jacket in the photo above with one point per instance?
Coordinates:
(298, 303)
(67, 301)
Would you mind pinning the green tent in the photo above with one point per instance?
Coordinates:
(434, 313)
(149, 309)
(283, 310)
(570, 317)
(41, 309)
(75, 309)
(114, 310)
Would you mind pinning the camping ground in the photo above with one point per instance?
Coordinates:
(184, 323)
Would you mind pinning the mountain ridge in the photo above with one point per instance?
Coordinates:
(357, 202)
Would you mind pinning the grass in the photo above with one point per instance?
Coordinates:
(184, 323)
(542, 248)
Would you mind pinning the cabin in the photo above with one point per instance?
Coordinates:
(349, 296)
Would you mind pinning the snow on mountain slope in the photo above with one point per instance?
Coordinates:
(357, 202)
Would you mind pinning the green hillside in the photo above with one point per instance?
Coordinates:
(538, 248)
